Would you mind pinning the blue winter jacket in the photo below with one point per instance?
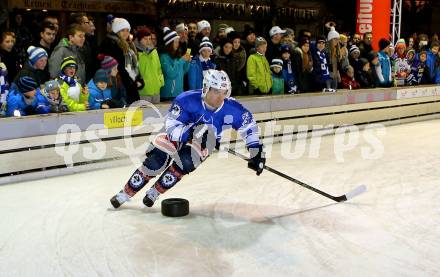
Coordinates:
(195, 73)
(15, 101)
(173, 72)
(431, 61)
(385, 65)
(97, 97)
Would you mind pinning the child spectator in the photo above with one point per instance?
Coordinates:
(320, 66)
(289, 78)
(200, 64)
(401, 67)
(74, 95)
(258, 70)
(363, 74)
(354, 55)
(411, 79)
(25, 99)
(4, 88)
(384, 76)
(100, 95)
(173, 66)
(35, 67)
(423, 73)
(51, 91)
(149, 67)
(348, 80)
(276, 67)
(118, 92)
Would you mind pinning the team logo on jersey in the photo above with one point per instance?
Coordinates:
(136, 180)
(175, 110)
(168, 180)
(246, 118)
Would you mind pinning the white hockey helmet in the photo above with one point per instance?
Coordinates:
(217, 79)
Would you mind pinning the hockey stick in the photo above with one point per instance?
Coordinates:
(355, 192)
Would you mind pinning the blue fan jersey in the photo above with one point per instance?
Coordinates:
(189, 110)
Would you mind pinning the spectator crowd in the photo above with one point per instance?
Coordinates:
(61, 69)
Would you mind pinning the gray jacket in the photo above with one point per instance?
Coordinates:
(62, 50)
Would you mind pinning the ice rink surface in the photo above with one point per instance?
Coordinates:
(240, 224)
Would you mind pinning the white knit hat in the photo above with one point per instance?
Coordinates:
(205, 44)
(202, 25)
(119, 24)
(228, 30)
(332, 34)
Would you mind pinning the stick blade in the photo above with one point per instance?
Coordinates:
(355, 192)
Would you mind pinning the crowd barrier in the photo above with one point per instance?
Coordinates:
(43, 146)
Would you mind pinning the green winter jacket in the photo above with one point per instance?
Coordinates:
(72, 105)
(258, 73)
(277, 84)
(151, 71)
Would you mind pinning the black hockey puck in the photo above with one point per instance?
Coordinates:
(175, 207)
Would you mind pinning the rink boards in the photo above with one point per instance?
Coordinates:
(38, 146)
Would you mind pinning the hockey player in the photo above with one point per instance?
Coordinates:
(194, 125)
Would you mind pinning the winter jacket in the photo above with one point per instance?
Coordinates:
(384, 71)
(74, 97)
(16, 102)
(173, 71)
(151, 71)
(4, 89)
(97, 97)
(258, 73)
(195, 72)
(65, 49)
(349, 83)
(277, 83)
(118, 92)
(11, 60)
(304, 78)
(431, 62)
(365, 78)
(40, 76)
(238, 74)
(110, 47)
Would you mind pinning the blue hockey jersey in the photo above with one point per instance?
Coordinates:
(188, 110)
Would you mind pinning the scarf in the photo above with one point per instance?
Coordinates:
(71, 81)
(323, 65)
(130, 58)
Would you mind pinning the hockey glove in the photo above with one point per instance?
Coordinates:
(257, 160)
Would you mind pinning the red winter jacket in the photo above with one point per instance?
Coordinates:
(349, 83)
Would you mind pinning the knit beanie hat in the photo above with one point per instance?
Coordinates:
(285, 48)
(371, 56)
(26, 84)
(332, 34)
(276, 62)
(181, 28)
(107, 62)
(51, 85)
(222, 27)
(384, 43)
(120, 23)
(143, 32)
(100, 76)
(400, 44)
(320, 39)
(363, 62)
(259, 41)
(169, 36)
(233, 35)
(35, 53)
(354, 49)
(343, 38)
(205, 44)
(69, 62)
(203, 24)
(248, 30)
